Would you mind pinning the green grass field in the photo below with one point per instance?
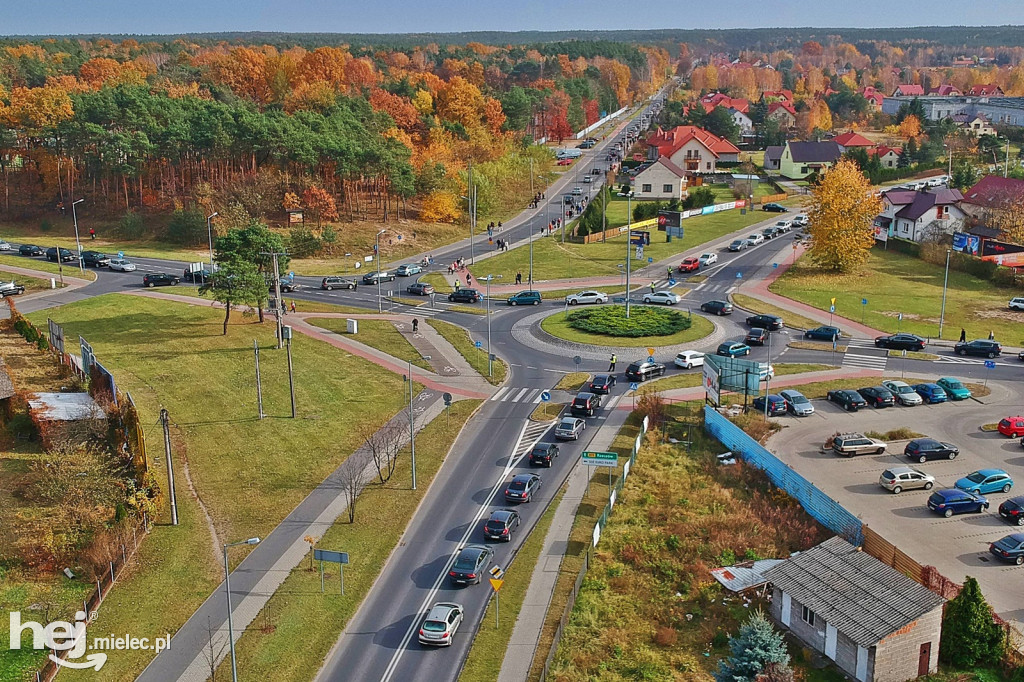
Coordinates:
(557, 326)
(476, 357)
(379, 334)
(43, 266)
(756, 305)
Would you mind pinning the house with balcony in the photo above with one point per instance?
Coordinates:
(693, 149)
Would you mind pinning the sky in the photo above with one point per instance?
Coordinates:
(35, 17)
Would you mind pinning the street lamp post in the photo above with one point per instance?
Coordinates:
(629, 240)
(949, 157)
(412, 426)
(209, 233)
(945, 281)
(1006, 162)
(227, 591)
(74, 216)
(531, 255)
(376, 257)
(487, 294)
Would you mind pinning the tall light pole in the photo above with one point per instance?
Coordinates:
(487, 294)
(949, 156)
(1006, 162)
(531, 256)
(412, 426)
(227, 591)
(945, 281)
(629, 240)
(209, 233)
(376, 257)
(74, 216)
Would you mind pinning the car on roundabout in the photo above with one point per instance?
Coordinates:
(586, 298)
(122, 265)
(602, 384)
(420, 289)
(464, 296)
(688, 359)
(525, 298)
(823, 333)
(408, 270)
(662, 297)
(732, 349)
(717, 307)
(772, 323)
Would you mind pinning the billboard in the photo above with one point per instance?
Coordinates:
(668, 219)
(966, 243)
(741, 376)
(1003, 253)
(639, 237)
(711, 381)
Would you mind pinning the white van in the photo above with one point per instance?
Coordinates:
(568, 154)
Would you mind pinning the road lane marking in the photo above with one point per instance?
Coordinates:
(500, 392)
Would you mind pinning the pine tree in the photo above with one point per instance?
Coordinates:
(970, 636)
(754, 648)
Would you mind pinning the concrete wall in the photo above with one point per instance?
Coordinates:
(657, 176)
(896, 656)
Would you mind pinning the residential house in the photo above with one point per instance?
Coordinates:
(975, 124)
(783, 113)
(851, 140)
(987, 90)
(908, 90)
(777, 96)
(800, 159)
(920, 215)
(888, 156)
(742, 122)
(719, 99)
(874, 97)
(693, 149)
(773, 157)
(945, 90)
(992, 195)
(873, 622)
(661, 180)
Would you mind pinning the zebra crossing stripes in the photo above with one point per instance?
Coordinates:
(516, 394)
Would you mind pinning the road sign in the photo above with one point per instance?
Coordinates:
(650, 351)
(496, 571)
(496, 584)
(671, 282)
(863, 301)
(633, 386)
(739, 275)
(989, 364)
(545, 397)
(328, 555)
(650, 259)
(479, 344)
(831, 309)
(447, 398)
(650, 360)
(775, 265)
(600, 459)
(120, 254)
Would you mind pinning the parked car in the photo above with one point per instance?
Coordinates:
(847, 399)
(772, 323)
(121, 265)
(1017, 303)
(330, 283)
(708, 259)
(949, 502)
(825, 333)
(663, 297)
(931, 392)
(525, 298)
(689, 265)
(570, 428)
(1013, 510)
(470, 564)
(1009, 548)
(586, 297)
(585, 404)
(774, 208)
(797, 403)
(717, 307)
(877, 396)
(464, 296)
(602, 384)
(776, 404)
(755, 239)
(420, 289)
(756, 337)
(981, 347)
(522, 488)
(408, 270)
(31, 250)
(903, 393)
(984, 481)
(898, 479)
(159, 279)
(11, 288)
(66, 255)
(738, 244)
(733, 349)
(544, 454)
(95, 259)
(688, 359)
(1012, 426)
(201, 276)
(5, 245)
(954, 388)
(801, 220)
(642, 371)
(441, 623)
(850, 444)
(500, 524)
(901, 342)
(383, 275)
(923, 449)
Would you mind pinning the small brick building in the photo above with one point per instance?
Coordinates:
(875, 623)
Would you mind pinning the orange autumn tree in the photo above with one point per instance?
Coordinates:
(320, 204)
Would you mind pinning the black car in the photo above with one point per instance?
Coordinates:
(982, 347)
(775, 208)
(470, 565)
(901, 342)
(823, 333)
(877, 396)
(500, 525)
(772, 323)
(159, 279)
(543, 454)
(385, 276)
(420, 289)
(848, 399)
(522, 487)
(66, 255)
(756, 337)
(585, 404)
(199, 276)
(95, 259)
(1013, 510)
(776, 405)
(717, 307)
(287, 286)
(464, 296)
(923, 449)
(602, 384)
(31, 250)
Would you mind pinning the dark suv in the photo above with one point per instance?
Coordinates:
(66, 255)
(585, 404)
(544, 454)
(642, 371)
(717, 307)
(982, 347)
(30, 250)
(772, 323)
(95, 259)
(333, 282)
(464, 296)
(159, 279)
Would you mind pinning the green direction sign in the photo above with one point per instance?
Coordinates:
(600, 459)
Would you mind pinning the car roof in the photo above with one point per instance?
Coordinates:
(952, 380)
(569, 420)
(903, 470)
(1015, 537)
(951, 492)
(791, 391)
(991, 472)
(501, 515)
(524, 477)
(473, 550)
(895, 382)
(441, 609)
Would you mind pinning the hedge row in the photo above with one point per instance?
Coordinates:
(643, 321)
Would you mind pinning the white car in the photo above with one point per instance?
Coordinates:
(666, 297)
(768, 374)
(588, 178)
(708, 259)
(5, 245)
(122, 264)
(586, 297)
(1017, 303)
(688, 359)
(903, 393)
(755, 239)
(577, 190)
(784, 225)
(800, 219)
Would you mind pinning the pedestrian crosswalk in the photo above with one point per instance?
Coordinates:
(515, 394)
(857, 357)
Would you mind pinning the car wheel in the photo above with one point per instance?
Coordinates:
(848, 408)
(573, 302)
(512, 303)
(536, 302)
(961, 352)
(880, 451)
(329, 288)
(922, 459)
(952, 455)
(897, 490)
(991, 355)
(983, 508)
(947, 513)
(1006, 488)
(928, 485)
(748, 352)
(149, 284)
(647, 299)
(1019, 560)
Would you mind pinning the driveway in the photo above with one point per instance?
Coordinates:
(957, 546)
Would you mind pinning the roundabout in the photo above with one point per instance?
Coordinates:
(608, 326)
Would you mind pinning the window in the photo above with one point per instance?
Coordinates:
(709, 165)
(645, 188)
(667, 189)
(807, 615)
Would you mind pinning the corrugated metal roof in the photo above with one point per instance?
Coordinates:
(745, 575)
(863, 598)
(64, 406)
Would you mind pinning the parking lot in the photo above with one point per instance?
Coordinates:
(957, 546)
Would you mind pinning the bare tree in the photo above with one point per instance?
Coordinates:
(382, 445)
(351, 479)
(211, 652)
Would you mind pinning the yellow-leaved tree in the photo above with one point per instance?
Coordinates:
(842, 214)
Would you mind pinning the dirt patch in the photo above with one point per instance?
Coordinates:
(894, 314)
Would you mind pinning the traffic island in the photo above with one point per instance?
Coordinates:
(646, 326)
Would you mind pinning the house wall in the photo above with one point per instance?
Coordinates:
(896, 656)
(999, 110)
(815, 637)
(657, 176)
(795, 171)
(705, 160)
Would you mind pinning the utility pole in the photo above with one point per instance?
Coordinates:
(629, 244)
(165, 421)
(287, 333)
(412, 426)
(471, 200)
(532, 193)
(945, 282)
(259, 386)
(278, 307)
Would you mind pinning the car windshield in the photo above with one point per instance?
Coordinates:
(798, 399)
(434, 626)
(954, 384)
(904, 389)
(465, 562)
(567, 424)
(540, 450)
(977, 477)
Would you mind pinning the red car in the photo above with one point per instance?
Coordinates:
(565, 162)
(1012, 426)
(689, 265)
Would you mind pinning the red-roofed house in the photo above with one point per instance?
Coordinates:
(661, 180)
(719, 99)
(945, 91)
(873, 96)
(989, 90)
(693, 149)
(777, 96)
(993, 194)
(908, 90)
(851, 140)
(783, 113)
(888, 156)
(920, 215)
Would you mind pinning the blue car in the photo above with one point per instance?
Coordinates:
(776, 405)
(931, 393)
(954, 501)
(1009, 548)
(733, 349)
(985, 481)
(823, 333)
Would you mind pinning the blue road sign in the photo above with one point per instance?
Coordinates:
(831, 308)
(671, 282)
(739, 275)
(863, 301)
(650, 260)
(479, 344)
(120, 254)
(545, 396)
(328, 555)
(651, 359)
(989, 364)
(633, 386)
(775, 265)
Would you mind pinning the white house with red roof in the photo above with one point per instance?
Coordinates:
(661, 180)
(852, 140)
(888, 156)
(945, 90)
(908, 90)
(986, 90)
(920, 215)
(873, 96)
(693, 149)
(783, 113)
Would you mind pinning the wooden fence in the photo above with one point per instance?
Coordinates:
(767, 199)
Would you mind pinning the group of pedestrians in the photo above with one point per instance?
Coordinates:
(501, 244)
(456, 266)
(535, 202)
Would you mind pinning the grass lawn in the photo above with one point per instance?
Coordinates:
(441, 285)
(557, 326)
(756, 305)
(675, 381)
(298, 612)
(784, 368)
(546, 412)
(572, 381)
(63, 235)
(379, 334)
(245, 470)
(818, 345)
(894, 283)
(45, 266)
(913, 355)
(476, 357)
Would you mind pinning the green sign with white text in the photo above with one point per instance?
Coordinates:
(600, 459)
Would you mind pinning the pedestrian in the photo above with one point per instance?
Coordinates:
(519, 277)
(669, 273)
(293, 306)
(469, 280)
(456, 284)
(92, 233)
(415, 325)
(499, 226)
(991, 336)
(963, 334)
(611, 364)
(652, 287)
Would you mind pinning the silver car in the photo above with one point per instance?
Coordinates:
(586, 297)
(898, 479)
(663, 297)
(570, 428)
(903, 393)
(441, 623)
(797, 403)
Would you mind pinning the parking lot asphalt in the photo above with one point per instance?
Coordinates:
(957, 546)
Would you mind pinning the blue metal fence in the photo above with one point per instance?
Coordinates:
(823, 508)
